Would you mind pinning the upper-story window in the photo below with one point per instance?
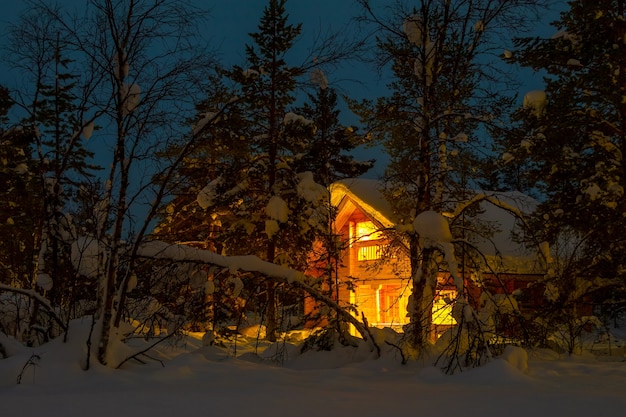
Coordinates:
(369, 253)
(367, 231)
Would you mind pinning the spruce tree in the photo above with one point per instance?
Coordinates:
(20, 202)
(327, 156)
(265, 211)
(570, 140)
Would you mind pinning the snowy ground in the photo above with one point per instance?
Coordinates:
(198, 380)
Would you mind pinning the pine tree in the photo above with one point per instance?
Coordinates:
(327, 157)
(20, 204)
(328, 152)
(570, 140)
(54, 123)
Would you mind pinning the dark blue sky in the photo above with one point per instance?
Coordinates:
(230, 21)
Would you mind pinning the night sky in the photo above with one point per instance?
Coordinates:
(230, 22)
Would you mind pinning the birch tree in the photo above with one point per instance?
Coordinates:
(446, 91)
(140, 64)
(51, 115)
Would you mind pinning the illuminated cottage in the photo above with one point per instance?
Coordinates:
(380, 290)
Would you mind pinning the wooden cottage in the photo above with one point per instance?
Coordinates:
(374, 276)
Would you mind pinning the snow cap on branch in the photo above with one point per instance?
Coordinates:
(536, 101)
(318, 78)
(434, 231)
(277, 209)
(413, 28)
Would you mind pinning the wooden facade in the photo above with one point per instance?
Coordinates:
(376, 281)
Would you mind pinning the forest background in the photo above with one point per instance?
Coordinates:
(236, 182)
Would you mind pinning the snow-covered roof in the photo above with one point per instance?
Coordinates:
(366, 193)
(498, 209)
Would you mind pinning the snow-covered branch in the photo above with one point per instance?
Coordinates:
(248, 263)
(43, 301)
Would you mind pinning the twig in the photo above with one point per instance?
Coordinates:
(404, 359)
(32, 361)
(143, 351)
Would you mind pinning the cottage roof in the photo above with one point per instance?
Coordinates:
(498, 210)
(366, 193)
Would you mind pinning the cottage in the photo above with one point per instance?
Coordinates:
(374, 274)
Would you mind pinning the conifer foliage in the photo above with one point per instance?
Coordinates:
(257, 182)
(571, 142)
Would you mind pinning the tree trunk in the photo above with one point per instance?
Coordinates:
(270, 311)
(424, 276)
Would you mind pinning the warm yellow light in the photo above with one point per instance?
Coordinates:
(369, 253)
(367, 231)
(442, 311)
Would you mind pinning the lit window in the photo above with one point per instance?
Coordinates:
(367, 231)
(369, 253)
(442, 308)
